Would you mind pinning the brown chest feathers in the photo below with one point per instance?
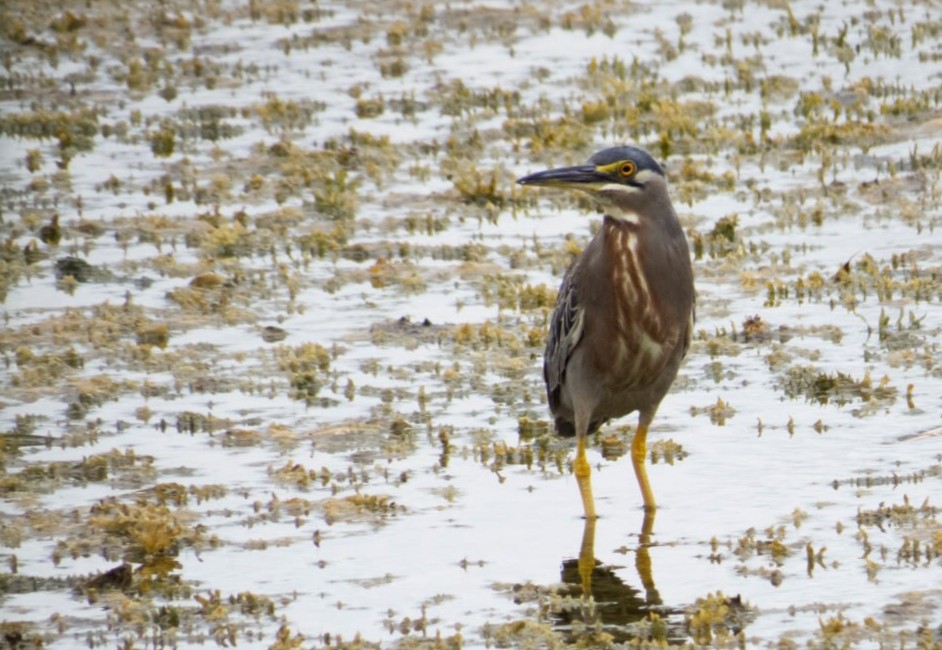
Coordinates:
(641, 345)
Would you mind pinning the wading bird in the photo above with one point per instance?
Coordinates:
(625, 310)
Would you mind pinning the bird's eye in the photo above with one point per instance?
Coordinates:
(627, 169)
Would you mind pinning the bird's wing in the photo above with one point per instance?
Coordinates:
(566, 326)
(688, 335)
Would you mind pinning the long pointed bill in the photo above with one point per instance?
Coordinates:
(578, 177)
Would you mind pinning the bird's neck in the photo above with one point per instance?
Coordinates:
(620, 228)
(619, 240)
(614, 213)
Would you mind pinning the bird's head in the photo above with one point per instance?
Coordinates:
(625, 180)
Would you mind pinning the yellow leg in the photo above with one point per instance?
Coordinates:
(583, 472)
(639, 451)
(643, 560)
(587, 556)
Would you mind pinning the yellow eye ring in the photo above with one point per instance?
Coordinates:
(627, 169)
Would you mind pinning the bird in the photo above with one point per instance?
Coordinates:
(625, 311)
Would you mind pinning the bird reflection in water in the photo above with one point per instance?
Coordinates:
(606, 602)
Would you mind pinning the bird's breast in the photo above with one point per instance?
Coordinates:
(639, 340)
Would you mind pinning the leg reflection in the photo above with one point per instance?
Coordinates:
(586, 562)
(606, 599)
(643, 560)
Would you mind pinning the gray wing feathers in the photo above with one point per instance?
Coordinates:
(566, 327)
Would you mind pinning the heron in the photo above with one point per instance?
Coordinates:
(625, 310)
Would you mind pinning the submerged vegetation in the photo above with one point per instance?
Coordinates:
(270, 290)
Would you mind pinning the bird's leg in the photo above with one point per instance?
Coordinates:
(583, 472)
(587, 556)
(639, 451)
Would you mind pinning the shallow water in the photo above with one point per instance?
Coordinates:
(400, 503)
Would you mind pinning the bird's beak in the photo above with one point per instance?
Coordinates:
(580, 177)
